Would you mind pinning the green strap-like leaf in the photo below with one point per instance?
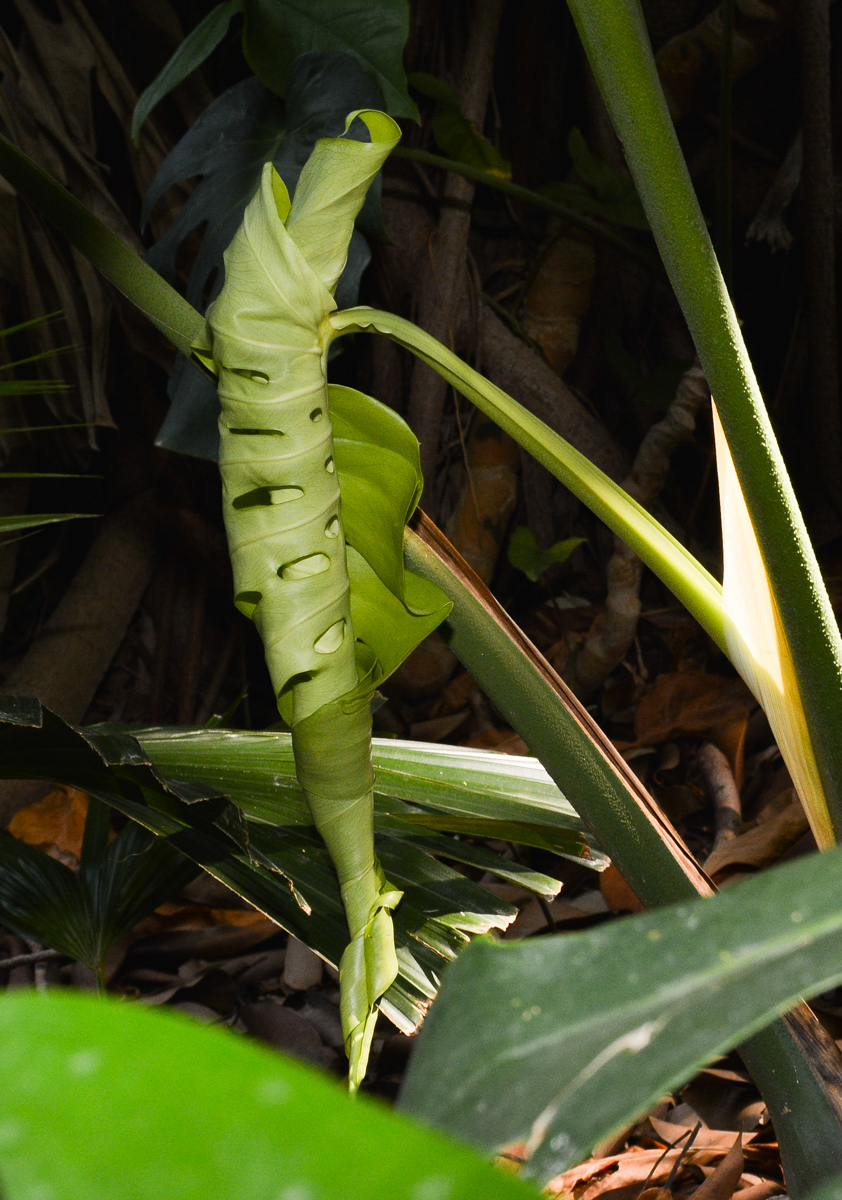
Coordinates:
(196, 47)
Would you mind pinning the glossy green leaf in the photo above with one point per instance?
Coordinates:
(196, 47)
(106, 1099)
(418, 787)
(277, 31)
(526, 1041)
(85, 913)
(455, 135)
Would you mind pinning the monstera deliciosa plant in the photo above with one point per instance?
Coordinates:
(319, 483)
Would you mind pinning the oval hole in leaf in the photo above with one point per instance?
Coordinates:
(262, 496)
(303, 568)
(247, 602)
(329, 467)
(316, 414)
(331, 639)
(259, 432)
(255, 376)
(332, 528)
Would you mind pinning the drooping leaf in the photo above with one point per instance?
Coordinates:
(455, 135)
(527, 1043)
(196, 47)
(664, 554)
(226, 148)
(524, 553)
(265, 852)
(277, 31)
(106, 1099)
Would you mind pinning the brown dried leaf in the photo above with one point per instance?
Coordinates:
(55, 824)
(764, 844)
(722, 1184)
(695, 703)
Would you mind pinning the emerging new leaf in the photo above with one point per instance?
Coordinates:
(334, 619)
(757, 644)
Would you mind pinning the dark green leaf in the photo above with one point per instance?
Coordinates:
(527, 1041)
(455, 135)
(83, 914)
(277, 31)
(196, 47)
(104, 1099)
(33, 520)
(226, 149)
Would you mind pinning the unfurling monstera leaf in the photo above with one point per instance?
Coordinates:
(318, 483)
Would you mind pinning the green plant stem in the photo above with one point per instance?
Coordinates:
(603, 232)
(617, 45)
(697, 590)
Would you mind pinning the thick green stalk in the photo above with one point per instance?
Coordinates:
(697, 590)
(617, 45)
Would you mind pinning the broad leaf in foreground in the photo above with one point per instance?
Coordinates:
(528, 1041)
(104, 1099)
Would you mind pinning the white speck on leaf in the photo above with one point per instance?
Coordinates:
(434, 1187)
(272, 1091)
(84, 1062)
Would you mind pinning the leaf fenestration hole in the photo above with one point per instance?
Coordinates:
(255, 376)
(332, 528)
(304, 568)
(263, 496)
(247, 602)
(316, 414)
(259, 432)
(329, 467)
(331, 639)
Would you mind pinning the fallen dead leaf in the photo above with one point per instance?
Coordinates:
(504, 741)
(696, 703)
(722, 1183)
(55, 824)
(764, 844)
